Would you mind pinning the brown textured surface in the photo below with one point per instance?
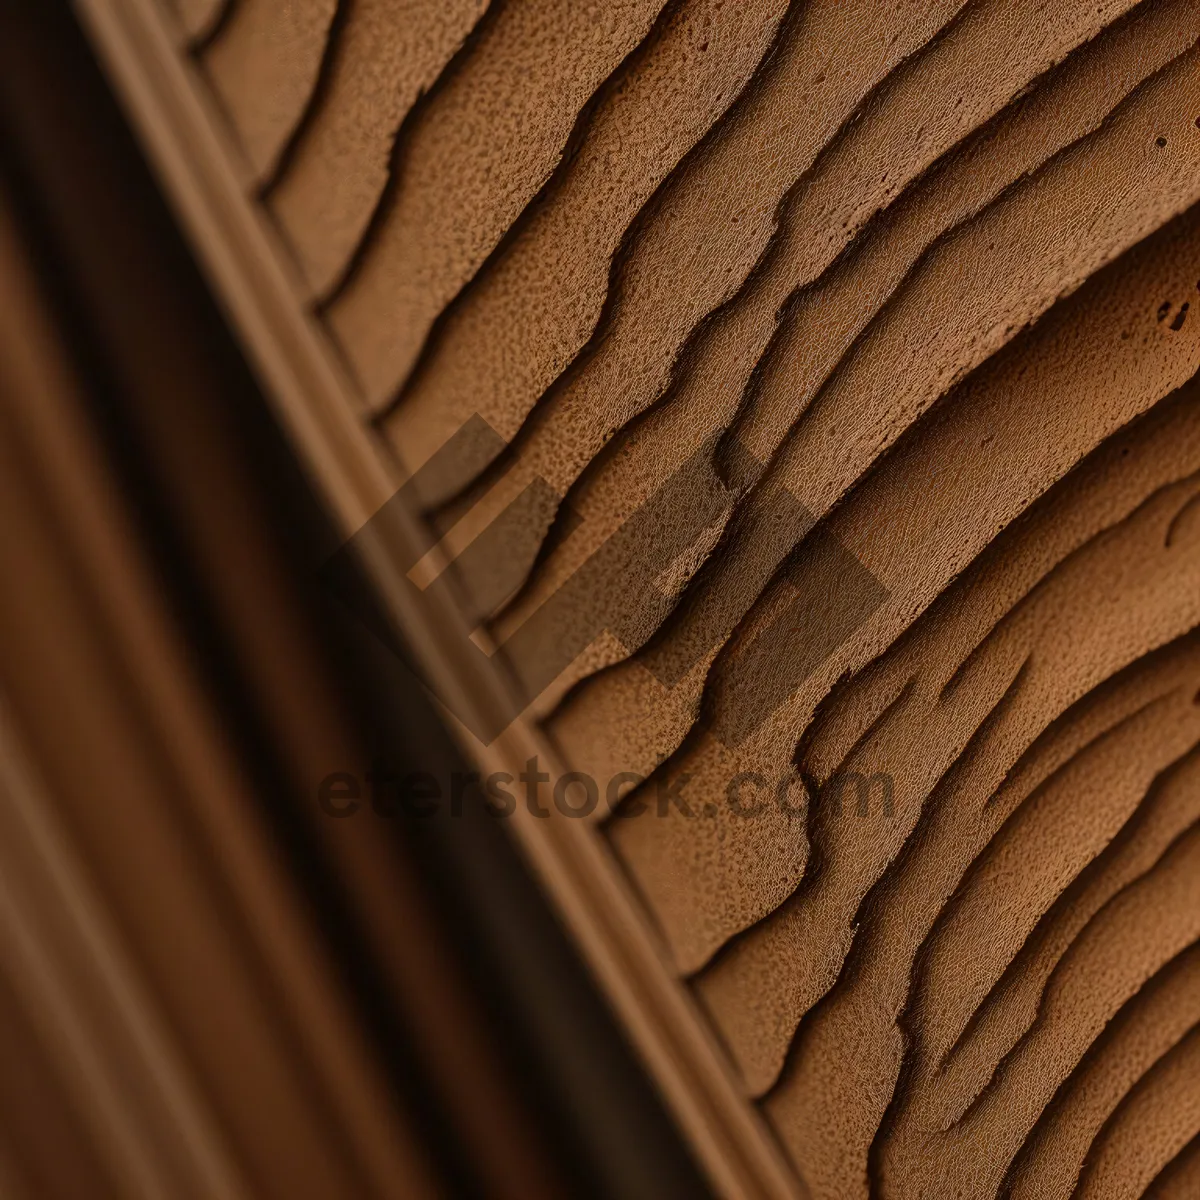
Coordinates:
(1085, 91)
(1180, 1178)
(916, 283)
(390, 55)
(476, 154)
(716, 215)
(263, 64)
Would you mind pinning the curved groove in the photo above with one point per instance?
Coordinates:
(682, 426)
(263, 67)
(703, 389)
(894, 332)
(1114, 958)
(364, 243)
(1188, 508)
(765, 142)
(644, 700)
(1060, 924)
(611, 502)
(1153, 1124)
(938, 836)
(1055, 679)
(681, 366)
(471, 164)
(762, 1043)
(1180, 1178)
(1165, 493)
(339, 163)
(1156, 448)
(560, 413)
(1081, 92)
(856, 1032)
(581, 228)
(1144, 1029)
(318, 99)
(1048, 929)
(571, 146)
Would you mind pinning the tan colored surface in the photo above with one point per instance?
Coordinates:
(932, 272)
(390, 55)
(715, 217)
(263, 64)
(474, 156)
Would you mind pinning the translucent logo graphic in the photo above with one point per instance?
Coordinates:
(617, 589)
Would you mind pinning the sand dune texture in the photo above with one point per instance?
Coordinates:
(837, 372)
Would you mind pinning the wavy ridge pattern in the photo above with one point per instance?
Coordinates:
(717, 213)
(473, 158)
(263, 63)
(707, 380)
(1180, 1178)
(913, 286)
(878, 525)
(639, 462)
(388, 56)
